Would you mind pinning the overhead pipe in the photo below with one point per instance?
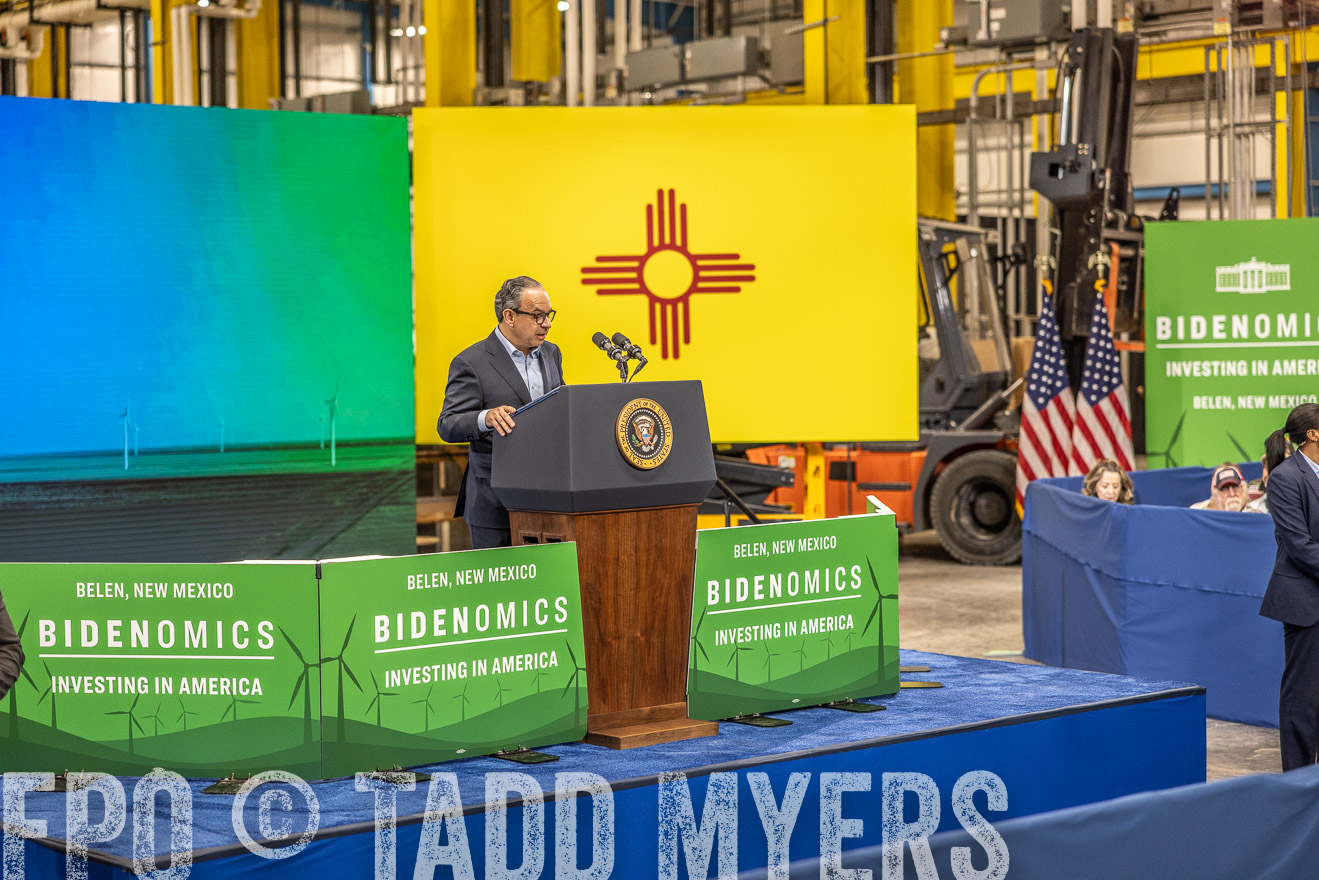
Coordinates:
(181, 42)
(24, 40)
(572, 49)
(588, 53)
(22, 48)
(620, 37)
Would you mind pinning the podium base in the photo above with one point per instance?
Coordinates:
(646, 726)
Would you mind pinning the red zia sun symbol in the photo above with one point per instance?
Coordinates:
(668, 273)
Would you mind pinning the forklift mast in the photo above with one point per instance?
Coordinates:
(963, 349)
(1087, 177)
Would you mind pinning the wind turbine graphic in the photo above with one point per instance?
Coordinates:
(132, 721)
(829, 646)
(333, 404)
(462, 695)
(501, 690)
(769, 660)
(696, 632)
(183, 715)
(880, 597)
(735, 660)
(427, 707)
(49, 692)
(129, 425)
(13, 691)
(537, 677)
(233, 706)
(1172, 441)
(155, 717)
(343, 668)
(377, 701)
(573, 683)
(303, 682)
(801, 655)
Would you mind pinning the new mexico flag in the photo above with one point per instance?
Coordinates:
(768, 251)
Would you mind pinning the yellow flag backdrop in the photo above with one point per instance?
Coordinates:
(768, 251)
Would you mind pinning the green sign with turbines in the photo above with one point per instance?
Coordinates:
(433, 657)
(789, 615)
(202, 669)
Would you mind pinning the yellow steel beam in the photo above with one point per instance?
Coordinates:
(815, 60)
(845, 43)
(535, 26)
(450, 48)
(39, 79)
(834, 52)
(815, 479)
(258, 57)
(162, 68)
(928, 83)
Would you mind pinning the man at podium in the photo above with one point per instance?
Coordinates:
(510, 368)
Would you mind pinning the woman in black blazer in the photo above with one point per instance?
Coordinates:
(1293, 592)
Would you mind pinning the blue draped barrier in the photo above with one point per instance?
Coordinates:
(1153, 591)
(1266, 825)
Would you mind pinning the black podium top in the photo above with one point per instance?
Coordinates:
(563, 456)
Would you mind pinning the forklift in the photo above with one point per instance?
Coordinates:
(959, 477)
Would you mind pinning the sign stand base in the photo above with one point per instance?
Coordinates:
(759, 721)
(396, 775)
(922, 684)
(521, 755)
(228, 785)
(854, 706)
(917, 668)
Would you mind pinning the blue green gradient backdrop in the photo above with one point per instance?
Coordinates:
(208, 265)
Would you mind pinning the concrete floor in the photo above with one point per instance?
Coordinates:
(974, 611)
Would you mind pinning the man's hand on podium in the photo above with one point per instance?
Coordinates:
(501, 419)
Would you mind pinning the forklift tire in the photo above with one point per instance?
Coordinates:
(973, 507)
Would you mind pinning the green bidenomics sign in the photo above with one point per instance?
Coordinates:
(793, 614)
(428, 658)
(202, 669)
(1231, 335)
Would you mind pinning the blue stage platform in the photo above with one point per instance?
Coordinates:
(1056, 737)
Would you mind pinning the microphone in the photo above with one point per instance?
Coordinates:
(602, 342)
(633, 350)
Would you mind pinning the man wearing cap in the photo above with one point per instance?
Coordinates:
(1227, 491)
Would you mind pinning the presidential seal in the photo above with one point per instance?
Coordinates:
(645, 434)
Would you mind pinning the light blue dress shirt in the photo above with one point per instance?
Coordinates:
(528, 367)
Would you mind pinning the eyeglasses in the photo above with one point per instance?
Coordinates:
(539, 317)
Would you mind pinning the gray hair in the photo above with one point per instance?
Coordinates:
(510, 294)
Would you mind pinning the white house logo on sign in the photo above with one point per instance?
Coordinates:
(1253, 276)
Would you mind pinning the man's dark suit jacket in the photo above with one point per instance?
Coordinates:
(1293, 592)
(11, 652)
(482, 377)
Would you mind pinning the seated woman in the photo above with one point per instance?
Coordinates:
(1108, 482)
(1276, 448)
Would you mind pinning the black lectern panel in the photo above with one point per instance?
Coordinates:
(564, 456)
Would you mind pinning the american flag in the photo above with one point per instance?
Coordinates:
(1103, 414)
(1047, 414)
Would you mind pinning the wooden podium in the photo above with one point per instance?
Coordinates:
(563, 477)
